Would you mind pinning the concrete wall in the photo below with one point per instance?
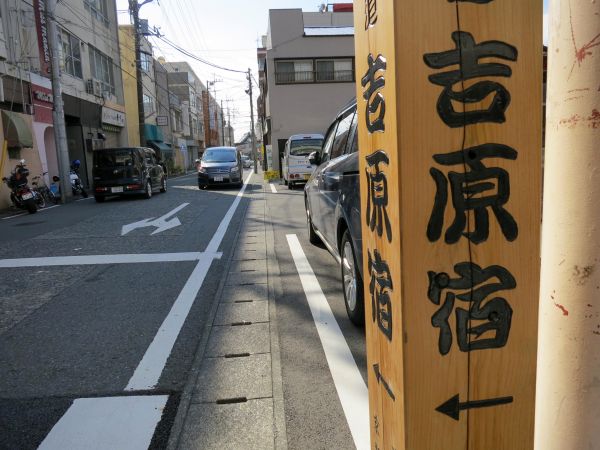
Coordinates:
(304, 108)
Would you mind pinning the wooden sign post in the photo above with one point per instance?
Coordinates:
(449, 107)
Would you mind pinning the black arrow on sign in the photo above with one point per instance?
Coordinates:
(453, 406)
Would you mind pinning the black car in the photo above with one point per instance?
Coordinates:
(220, 166)
(332, 200)
(126, 171)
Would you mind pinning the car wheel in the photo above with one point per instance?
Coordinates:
(163, 185)
(99, 198)
(148, 193)
(285, 181)
(352, 282)
(290, 185)
(312, 234)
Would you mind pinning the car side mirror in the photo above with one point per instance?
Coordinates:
(314, 158)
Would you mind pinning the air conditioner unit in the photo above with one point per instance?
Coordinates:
(94, 86)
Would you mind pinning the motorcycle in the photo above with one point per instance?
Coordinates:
(76, 185)
(21, 194)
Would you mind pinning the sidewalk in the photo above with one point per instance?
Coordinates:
(234, 396)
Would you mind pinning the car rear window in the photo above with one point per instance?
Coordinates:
(113, 158)
(304, 147)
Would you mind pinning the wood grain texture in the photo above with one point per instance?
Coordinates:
(420, 376)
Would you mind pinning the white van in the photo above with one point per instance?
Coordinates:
(295, 165)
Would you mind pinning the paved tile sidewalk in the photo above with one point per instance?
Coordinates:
(234, 399)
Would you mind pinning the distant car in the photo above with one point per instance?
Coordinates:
(220, 166)
(246, 162)
(126, 171)
(295, 165)
(332, 200)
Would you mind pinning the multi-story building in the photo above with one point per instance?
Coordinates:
(186, 85)
(155, 94)
(90, 80)
(309, 72)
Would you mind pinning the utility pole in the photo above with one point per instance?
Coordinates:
(229, 126)
(567, 395)
(134, 8)
(222, 126)
(249, 92)
(58, 113)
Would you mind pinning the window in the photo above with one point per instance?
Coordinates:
(146, 62)
(101, 67)
(341, 136)
(300, 71)
(334, 70)
(70, 54)
(98, 9)
(352, 146)
(148, 104)
(328, 142)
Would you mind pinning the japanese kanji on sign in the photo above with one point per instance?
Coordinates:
(450, 114)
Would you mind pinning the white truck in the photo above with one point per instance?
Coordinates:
(295, 165)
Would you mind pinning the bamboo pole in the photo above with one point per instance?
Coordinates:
(568, 384)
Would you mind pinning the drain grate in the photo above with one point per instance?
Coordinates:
(243, 322)
(243, 301)
(226, 401)
(237, 355)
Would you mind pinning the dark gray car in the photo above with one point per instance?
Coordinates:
(220, 166)
(332, 199)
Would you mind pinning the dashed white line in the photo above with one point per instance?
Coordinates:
(273, 188)
(148, 371)
(349, 384)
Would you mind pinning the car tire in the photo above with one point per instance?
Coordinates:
(163, 185)
(99, 198)
(148, 193)
(290, 186)
(313, 237)
(285, 181)
(352, 283)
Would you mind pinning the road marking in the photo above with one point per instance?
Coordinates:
(273, 188)
(161, 223)
(25, 214)
(87, 260)
(150, 368)
(349, 384)
(107, 423)
(84, 198)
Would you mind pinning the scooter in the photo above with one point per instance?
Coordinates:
(76, 184)
(20, 193)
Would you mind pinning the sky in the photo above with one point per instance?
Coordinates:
(224, 32)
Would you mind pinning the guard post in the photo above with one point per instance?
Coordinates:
(449, 97)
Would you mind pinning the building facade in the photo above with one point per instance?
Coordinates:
(90, 80)
(309, 73)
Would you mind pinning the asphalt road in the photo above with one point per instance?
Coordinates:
(314, 416)
(80, 331)
(83, 329)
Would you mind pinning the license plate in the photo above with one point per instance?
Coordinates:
(117, 189)
(218, 178)
(27, 196)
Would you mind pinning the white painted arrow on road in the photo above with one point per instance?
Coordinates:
(161, 223)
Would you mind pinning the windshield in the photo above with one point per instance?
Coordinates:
(305, 147)
(113, 158)
(219, 156)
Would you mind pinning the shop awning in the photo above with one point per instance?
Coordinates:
(16, 130)
(164, 149)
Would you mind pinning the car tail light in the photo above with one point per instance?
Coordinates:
(101, 189)
(133, 187)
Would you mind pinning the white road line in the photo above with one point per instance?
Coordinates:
(107, 423)
(273, 188)
(84, 198)
(349, 384)
(150, 368)
(24, 213)
(87, 260)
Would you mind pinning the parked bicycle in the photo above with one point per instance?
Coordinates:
(42, 194)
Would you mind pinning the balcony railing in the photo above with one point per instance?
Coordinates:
(337, 76)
